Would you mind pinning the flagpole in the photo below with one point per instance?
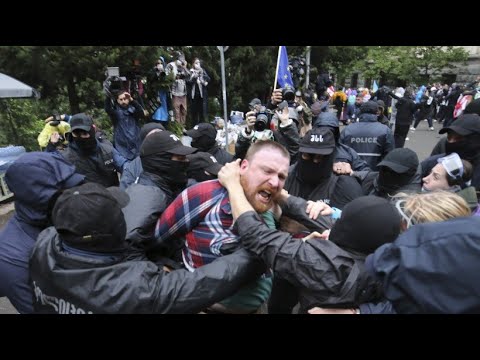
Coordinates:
(276, 70)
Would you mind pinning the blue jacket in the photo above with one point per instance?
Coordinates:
(47, 173)
(131, 171)
(370, 139)
(126, 131)
(344, 153)
(432, 268)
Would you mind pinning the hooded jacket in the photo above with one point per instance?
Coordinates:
(432, 268)
(369, 138)
(47, 173)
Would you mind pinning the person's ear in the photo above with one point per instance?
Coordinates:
(244, 165)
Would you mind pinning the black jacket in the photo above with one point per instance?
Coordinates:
(336, 191)
(99, 168)
(325, 274)
(405, 109)
(66, 283)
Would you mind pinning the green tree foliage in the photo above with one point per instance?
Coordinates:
(410, 64)
(70, 78)
(339, 60)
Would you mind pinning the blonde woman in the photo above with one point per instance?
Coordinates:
(430, 207)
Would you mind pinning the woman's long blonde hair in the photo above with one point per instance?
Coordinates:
(431, 206)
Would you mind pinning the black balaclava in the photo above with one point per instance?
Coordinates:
(468, 148)
(161, 164)
(203, 143)
(313, 173)
(86, 145)
(389, 181)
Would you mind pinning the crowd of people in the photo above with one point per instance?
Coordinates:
(303, 216)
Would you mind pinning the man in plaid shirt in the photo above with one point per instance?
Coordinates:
(202, 214)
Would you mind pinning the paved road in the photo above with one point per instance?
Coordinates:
(421, 141)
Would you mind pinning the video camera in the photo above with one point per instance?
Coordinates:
(262, 121)
(114, 82)
(288, 93)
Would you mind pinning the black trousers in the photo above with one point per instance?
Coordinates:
(400, 134)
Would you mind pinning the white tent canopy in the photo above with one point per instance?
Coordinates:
(12, 88)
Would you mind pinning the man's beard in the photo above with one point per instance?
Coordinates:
(253, 194)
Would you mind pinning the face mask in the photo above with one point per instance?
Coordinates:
(467, 148)
(313, 173)
(87, 145)
(173, 172)
(177, 175)
(203, 143)
(389, 182)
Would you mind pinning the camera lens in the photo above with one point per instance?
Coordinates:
(288, 93)
(261, 122)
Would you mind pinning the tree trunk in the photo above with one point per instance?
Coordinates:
(72, 96)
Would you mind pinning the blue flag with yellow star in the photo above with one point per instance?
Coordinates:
(284, 77)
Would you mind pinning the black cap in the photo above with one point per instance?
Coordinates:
(254, 102)
(466, 124)
(370, 107)
(400, 160)
(318, 141)
(204, 161)
(366, 223)
(149, 127)
(164, 142)
(89, 217)
(202, 129)
(81, 121)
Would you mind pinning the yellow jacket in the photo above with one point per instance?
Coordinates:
(48, 130)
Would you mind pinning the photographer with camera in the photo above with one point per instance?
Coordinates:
(198, 93)
(125, 115)
(259, 127)
(179, 88)
(53, 134)
(158, 87)
(304, 113)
